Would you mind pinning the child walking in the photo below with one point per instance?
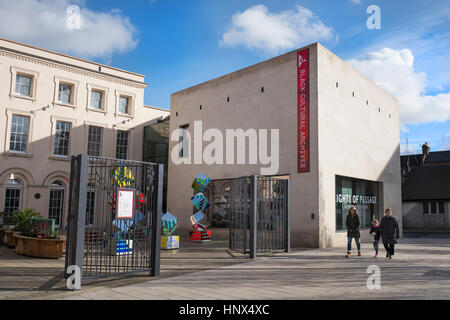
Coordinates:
(375, 233)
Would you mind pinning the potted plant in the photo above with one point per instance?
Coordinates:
(21, 220)
(37, 237)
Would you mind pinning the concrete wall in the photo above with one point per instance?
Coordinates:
(415, 220)
(38, 168)
(359, 137)
(275, 108)
(347, 137)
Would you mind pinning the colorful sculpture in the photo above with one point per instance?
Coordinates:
(168, 225)
(200, 203)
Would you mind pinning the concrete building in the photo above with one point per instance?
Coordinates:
(426, 191)
(338, 141)
(53, 106)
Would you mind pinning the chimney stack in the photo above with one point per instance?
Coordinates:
(425, 151)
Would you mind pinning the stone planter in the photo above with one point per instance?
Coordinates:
(10, 240)
(40, 247)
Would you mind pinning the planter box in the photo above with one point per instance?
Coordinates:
(10, 240)
(40, 247)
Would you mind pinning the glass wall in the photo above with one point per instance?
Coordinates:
(156, 149)
(362, 194)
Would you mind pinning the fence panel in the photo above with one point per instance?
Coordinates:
(98, 240)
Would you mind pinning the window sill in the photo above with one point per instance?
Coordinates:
(126, 115)
(97, 110)
(17, 154)
(66, 159)
(13, 95)
(59, 103)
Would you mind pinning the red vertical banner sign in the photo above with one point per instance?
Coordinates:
(303, 111)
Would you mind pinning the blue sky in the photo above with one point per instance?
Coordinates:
(177, 44)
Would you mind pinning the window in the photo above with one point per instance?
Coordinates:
(362, 194)
(122, 145)
(13, 192)
(184, 147)
(65, 93)
(56, 202)
(62, 139)
(441, 207)
(95, 141)
(433, 207)
(124, 105)
(425, 208)
(19, 133)
(96, 99)
(23, 85)
(90, 205)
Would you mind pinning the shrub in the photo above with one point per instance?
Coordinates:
(22, 220)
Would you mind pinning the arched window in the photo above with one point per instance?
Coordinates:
(13, 194)
(56, 202)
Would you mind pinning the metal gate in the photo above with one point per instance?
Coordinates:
(99, 240)
(259, 220)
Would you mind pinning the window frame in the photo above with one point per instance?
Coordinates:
(34, 75)
(100, 151)
(6, 186)
(74, 93)
(128, 143)
(54, 121)
(61, 187)
(27, 134)
(131, 103)
(104, 102)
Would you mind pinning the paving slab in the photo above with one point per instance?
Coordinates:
(420, 269)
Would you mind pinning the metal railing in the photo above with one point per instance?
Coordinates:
(101, 243)
(259, 215)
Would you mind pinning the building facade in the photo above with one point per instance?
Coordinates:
(52, 107)
(426, 191)
(338, 142)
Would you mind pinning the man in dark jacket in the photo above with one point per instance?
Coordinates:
(352, 222)
(389, 232)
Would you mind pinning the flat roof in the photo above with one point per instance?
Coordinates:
(70, 57)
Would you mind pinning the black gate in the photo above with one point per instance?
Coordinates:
(259, 220)
(100, 240)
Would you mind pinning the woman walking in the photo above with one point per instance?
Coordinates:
(352, 222)
(389, 232)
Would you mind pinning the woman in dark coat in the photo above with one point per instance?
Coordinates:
(352, 222)
(389, 232)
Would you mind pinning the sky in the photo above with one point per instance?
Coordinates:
(180, 43)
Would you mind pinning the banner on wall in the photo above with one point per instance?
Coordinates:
(303, 111)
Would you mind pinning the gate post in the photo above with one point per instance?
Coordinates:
(156, 223)
(287, 234)
(253, 213)
(78, 202)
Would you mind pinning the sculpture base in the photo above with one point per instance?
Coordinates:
(200, 236)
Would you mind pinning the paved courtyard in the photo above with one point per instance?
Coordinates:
(420, 270)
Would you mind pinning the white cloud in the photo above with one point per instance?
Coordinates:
(356, 1)
(44, 23)
(257, 28)
(394, 71)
